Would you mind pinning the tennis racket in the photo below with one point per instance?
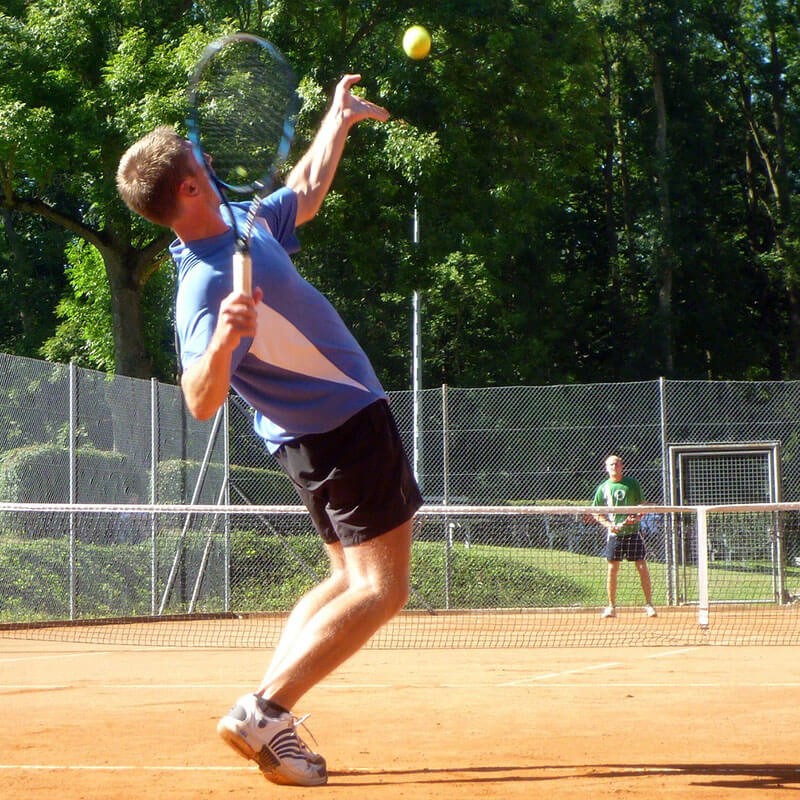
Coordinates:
(242, 109)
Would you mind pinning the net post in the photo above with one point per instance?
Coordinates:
(702, 566)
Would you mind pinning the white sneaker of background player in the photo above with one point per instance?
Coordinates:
(272, 742)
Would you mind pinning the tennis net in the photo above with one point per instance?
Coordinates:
(500, 576)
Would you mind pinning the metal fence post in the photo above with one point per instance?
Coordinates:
(446, 495)
(73, 482)
(154, 427)
(670, 548)
(226, 444)
(416, 380)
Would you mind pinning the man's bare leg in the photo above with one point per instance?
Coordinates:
(308, 605)
(644, 577)
(335, 620)
(611, 583)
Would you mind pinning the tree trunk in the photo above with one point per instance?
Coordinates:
(130, 353)
(664, 253)
(608, 168)
(785, 239)
(22, 268)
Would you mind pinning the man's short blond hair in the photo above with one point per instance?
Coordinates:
(150, 172)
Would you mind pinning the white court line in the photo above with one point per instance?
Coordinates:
(34, 687)
(547, 675)
(113, 687)
(673, 652)
(57, 656)
(241, 686)
(121, 768)
(650, 685)
(535, 681)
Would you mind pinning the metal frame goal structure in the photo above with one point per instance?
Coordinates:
(745, 474)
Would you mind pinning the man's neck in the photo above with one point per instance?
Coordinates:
(199, 221)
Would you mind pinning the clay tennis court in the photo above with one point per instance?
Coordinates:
(97, 720)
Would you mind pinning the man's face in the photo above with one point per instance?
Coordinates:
(614, 468)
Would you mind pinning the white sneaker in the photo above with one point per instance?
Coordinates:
(259, 732)
(650, 611)
(608, 611)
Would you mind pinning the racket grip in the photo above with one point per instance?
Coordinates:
(242, 272)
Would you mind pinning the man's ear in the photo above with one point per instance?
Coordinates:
(188, 187)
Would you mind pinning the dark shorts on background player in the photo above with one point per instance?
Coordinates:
(355, 480)
(625, 548)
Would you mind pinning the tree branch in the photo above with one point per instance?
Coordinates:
(41, 209)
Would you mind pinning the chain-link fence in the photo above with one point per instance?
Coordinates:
(74, 435)
(71, 436)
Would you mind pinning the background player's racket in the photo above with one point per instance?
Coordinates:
(242, 108)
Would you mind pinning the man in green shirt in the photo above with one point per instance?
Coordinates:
(624, 539)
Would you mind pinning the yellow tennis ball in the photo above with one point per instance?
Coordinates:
(417, 42)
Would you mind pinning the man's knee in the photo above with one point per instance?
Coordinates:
(390, 594)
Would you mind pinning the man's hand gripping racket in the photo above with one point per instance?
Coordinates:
(242, 109)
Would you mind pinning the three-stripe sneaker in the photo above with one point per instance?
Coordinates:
(258, 730)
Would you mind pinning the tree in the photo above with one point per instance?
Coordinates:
(758, 41)
(604, 189)
(66, 111)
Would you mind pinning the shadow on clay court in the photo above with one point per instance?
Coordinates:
(742, 776)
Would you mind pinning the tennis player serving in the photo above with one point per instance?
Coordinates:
(318, 404)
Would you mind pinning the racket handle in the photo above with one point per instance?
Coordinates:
(242, 272)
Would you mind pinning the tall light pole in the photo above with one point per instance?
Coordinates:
(416, 364)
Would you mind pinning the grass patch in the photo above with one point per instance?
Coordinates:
(268, 572)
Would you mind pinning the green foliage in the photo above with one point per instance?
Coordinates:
(85, 333)
(269, 573)
(41, 472)
(269, 486)
(85, 336)
(486, 577)
(411, 151)
(602, 189)
(35, 580)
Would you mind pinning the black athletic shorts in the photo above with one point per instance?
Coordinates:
(625, 548)
(355, 480)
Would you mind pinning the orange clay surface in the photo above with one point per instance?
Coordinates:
(107, 722)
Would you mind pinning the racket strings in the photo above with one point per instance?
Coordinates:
(245, 102)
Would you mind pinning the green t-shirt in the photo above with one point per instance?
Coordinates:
(626, 492)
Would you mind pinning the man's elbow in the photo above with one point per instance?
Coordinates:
(201, 413)
(309, 199)
(199, 407)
